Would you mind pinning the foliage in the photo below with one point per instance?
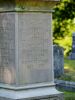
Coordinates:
(6, 1)
(64, 24)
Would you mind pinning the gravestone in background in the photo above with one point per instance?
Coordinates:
(72, 54)
(58, 54)
(26, 64)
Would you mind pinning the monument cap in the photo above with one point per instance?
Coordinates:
(27, 5)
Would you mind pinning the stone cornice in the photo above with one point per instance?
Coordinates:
(27, 5)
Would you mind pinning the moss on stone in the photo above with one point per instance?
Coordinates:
(27, 4)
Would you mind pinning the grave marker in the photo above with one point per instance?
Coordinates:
(72, 54)
(26, 68)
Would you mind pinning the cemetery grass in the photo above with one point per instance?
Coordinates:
(69, 70)
(68, 95)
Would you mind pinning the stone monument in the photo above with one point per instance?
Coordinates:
(26, 54)
(72, 54)
(58, 54)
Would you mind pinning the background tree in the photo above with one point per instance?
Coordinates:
(64, 24)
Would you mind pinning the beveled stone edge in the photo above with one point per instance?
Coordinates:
(37, 93)
(30, 6)
(25, 87)
(21, 11)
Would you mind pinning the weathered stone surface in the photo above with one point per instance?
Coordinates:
(27, 50)
(7, 48)
(66, 85)
(33, 54)
(34, 48)
(48, 93)
(72, 54)
(58, 54)
(27, 5)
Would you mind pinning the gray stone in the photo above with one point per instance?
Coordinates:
(7, 47)
(58, 54)
(66, 85)
(72, 54)
(26, 70)
(34, 56)
(48, 93)
(27, 5)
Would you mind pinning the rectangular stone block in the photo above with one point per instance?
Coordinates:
(34, 48)
(26, 53)
(25, 48)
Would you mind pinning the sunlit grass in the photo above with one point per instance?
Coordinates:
(69, 70)
(69, 65)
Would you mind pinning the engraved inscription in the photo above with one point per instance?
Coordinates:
(34, 48)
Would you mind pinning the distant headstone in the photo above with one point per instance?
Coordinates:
(72, 54)
(58, 61)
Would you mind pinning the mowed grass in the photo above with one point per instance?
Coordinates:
(69, 95)
(69, 65)
(69, 70)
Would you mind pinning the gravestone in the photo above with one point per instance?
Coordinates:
(72, 54)
(58, 55)
(26, 64)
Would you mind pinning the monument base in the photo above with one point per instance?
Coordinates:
(40, 93)
(72, 56)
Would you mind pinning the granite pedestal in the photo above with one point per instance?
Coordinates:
(26, 54)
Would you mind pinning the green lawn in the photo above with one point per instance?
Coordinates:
(69, 65)
(69, 70)
(69, 95)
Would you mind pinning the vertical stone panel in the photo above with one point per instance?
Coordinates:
(7, 48)
(58, 54)
(35, 51)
